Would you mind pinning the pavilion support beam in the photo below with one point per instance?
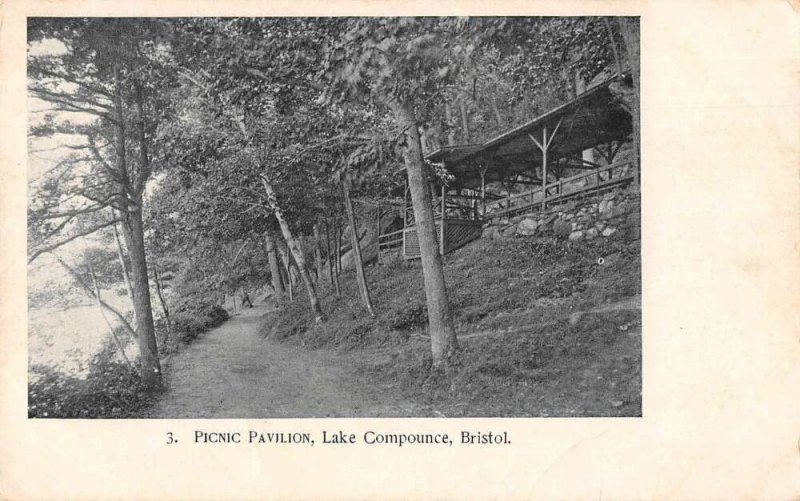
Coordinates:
(483, 190)
(544, 146)
(441, 227)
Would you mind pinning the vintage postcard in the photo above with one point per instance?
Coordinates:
(392, 251)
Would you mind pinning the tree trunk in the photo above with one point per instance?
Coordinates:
(317, 252)
(133, 233)
(337, 237)
(331, 266)
(613, 44)
(296, 251)
(287, 270)
(123, 263)
(630, 33)
(496, 111)
(440, 319)
(351, 217)
(88, 290)
(274, 267)
(464, 120)
(160, 293)
(111, 331)
(448, 116)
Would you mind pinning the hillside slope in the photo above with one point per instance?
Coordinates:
(544, 329)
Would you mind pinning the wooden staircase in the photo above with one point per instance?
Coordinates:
(457, 233)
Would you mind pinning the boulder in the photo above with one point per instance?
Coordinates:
(509, 231)
(527, 227)
(562, 227)
(492, 232)
(576, 235)
(591, 233)
(609, 231)
(515, 219)
(610, 195)
(615, 211)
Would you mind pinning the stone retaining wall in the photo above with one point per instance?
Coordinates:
(613, 215)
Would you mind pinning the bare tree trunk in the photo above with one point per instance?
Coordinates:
(331, 266)
(440, 319)
(88, 290)
(351, 217)
(123, 263)
(133, 234)
(464, 119)
(613, 43)
(496, 111)
(160, 293)
(287, 268)
(337, 237)
(317, 252)
(111, 331)
(448, 116)
(274, 267)
(630, 33)
(296, 251)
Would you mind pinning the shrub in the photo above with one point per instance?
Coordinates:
(412, 315)
(109, 390)
(192, 319)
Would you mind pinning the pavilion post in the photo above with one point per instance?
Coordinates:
(544, 167)
(441, 227)
(483, 192)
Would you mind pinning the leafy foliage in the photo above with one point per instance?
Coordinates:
(109, 390)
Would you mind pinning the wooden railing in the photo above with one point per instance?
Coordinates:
(390, 240)
(565, 188)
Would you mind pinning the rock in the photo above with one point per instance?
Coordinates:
(488, 232)
(617, 403)
(515, 220)
(605, 206)
(527, 227)
(549, 219)
(569, 216)
(509, 231)
(615, 211)
(610, 195)
(562, 227)
(573, 226)
(576, 235)
(609, 231)
(591, 233)
(569, 206)
(574, 318)
(599, 225)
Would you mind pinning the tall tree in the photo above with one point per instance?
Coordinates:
(111, 70)
(399, 63)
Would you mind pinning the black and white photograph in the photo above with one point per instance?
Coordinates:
(261, 217)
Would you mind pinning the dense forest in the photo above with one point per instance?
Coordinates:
(185, 168)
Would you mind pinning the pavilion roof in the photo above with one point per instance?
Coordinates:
(592, 118)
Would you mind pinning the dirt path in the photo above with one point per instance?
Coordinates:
(231, 372)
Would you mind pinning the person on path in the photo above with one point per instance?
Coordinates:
(246, 299)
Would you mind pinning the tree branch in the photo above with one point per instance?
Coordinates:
(52, 247)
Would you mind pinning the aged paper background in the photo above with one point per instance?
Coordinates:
(721, 241)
